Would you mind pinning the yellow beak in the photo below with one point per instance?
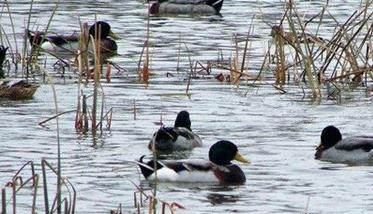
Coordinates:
(241, 158)
(113, 35)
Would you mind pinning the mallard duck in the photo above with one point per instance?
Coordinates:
(218, 169)
(14, 89)
(60, 43)
(177, 138)
(17, 89)
(194, 7)
(335, 149)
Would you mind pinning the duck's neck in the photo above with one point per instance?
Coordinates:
(183, 121)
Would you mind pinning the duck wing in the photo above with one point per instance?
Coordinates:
(213, 3)
(163, 139)
(197, 170)
(61, 40)
(13, 83)
(352, 143)
(39, 37)
(186, 1)
(184, 132)
(200, 170)
(189, 165)
(186, 138)
(170, 138)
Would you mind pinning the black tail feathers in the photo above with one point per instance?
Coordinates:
(217, 4)
(147, 169)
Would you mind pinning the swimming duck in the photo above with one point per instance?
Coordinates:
(60, 43)
(193, 7)
(14, 89)
(335, 149)
(219, 169)
(177, 138)
(17, 89)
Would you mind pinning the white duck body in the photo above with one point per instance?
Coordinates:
(191, 7)
(67, 48)
(196, 9)
(351, 149)
(167, 174)
(186, 140)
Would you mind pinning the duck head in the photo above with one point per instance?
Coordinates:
(223, 152)
(183, 120)
(154, 7)
(105, 30)
(330, 136)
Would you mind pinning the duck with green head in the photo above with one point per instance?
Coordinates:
(350, 149)
(180, 137)
(218, 169)
(70, 43)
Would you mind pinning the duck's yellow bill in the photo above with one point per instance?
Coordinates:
(241, 158)
(113, 35)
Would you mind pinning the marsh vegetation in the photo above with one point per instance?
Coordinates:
(266, 75)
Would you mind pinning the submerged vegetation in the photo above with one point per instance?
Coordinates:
(323, 66)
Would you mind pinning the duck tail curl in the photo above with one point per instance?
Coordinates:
(147, 169)
(216, 4)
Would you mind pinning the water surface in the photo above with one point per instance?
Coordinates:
(278, 133)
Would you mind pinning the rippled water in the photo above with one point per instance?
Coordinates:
(277, 132)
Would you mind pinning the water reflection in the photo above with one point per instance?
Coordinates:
(223, 195)
(339, 166)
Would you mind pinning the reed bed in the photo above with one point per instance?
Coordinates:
(27, 178)
(143, 66)
(146, 201)
(317, 62)
(95, 116)
(298, 55)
